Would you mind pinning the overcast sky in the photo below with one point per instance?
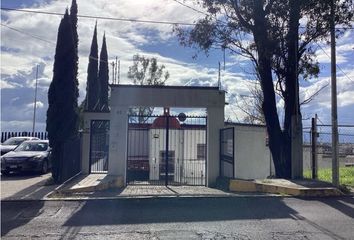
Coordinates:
(20, 53)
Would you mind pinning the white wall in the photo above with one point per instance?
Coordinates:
(125, 96)
(252, 156)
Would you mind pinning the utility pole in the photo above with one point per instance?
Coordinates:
(113, 80)
(35, 103)
(335, 164)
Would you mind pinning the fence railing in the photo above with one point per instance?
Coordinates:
(7, 135)
(318, 153)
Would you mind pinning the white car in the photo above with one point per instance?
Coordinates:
(11, 143)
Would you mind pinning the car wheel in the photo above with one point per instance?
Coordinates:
(5, 173)
(44, 167)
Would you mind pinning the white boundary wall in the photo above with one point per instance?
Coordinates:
(252, 155)
(125, 96)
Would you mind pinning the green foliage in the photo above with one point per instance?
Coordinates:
(268, 33)
(346, 175)
(92, 84)
(73, 18)
(62, 114)
(146, 71)
(103, 77)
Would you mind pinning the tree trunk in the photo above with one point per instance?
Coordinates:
(279, 141)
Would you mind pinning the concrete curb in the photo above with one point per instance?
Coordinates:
(255, 186)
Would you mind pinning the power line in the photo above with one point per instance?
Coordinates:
(336, 64)
(134, 20)
(28, 34)
(100, 17)
(42, 39)
(192, 8)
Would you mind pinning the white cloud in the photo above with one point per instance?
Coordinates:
(124, 39)
(39, 105)
(9, 85)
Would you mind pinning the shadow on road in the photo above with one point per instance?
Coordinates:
(16, 214)
(344, 205)
(36, 189)
(178, 210)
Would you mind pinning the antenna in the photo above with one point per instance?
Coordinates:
(118, 70)
(113, 81)
(35, 103)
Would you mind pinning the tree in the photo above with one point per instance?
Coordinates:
(92, 84)
(103, 76)
(73, 17)
(62, 113)
(269, 34)
(251, 105)
(146, 71)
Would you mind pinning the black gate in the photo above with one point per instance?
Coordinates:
(99, 145)
(227, 153)
(166, 150)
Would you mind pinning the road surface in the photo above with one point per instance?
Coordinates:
(180, 218)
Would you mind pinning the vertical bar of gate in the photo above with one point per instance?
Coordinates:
(90, 153)
(314, 147)
(167, 155)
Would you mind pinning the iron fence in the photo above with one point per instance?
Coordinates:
(7, 135)
(99, 145)
(166, 150)
(318, 153)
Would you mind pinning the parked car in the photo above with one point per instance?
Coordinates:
(11, 143)
(32, 155)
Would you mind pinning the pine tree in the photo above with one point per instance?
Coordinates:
(73, 17)
(92, 84)
(62, 114)
(103, 76)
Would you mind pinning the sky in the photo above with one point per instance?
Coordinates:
(33, 42)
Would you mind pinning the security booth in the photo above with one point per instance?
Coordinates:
(164, 149)
(244, 152)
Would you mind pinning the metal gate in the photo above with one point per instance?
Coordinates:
(227, 153)
(99, 145)
(166, 150)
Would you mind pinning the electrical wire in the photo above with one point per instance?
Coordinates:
(351, 80)
(40, 38)
(100, 17)
(28, 34)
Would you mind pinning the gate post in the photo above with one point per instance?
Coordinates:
(215, 122)
(167, 148)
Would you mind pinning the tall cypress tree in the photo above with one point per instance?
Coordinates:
(73, 17)
(92, 84)
(103, 76)
(62, 113)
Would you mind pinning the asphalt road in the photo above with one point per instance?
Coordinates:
(180, 218)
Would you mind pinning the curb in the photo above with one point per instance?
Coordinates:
(254, 186)
(116, 182)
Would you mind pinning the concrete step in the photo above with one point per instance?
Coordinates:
(300, 188)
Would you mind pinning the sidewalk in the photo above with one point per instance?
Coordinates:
(102, 186)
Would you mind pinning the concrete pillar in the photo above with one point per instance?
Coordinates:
(215, 123)
(85, 156)
(118, 136)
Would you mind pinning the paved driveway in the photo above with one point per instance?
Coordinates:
(25, 186)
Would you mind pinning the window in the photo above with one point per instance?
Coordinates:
(201, 149)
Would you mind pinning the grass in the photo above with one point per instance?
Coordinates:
(346, 175)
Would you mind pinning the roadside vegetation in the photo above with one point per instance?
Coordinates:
(346, 175)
